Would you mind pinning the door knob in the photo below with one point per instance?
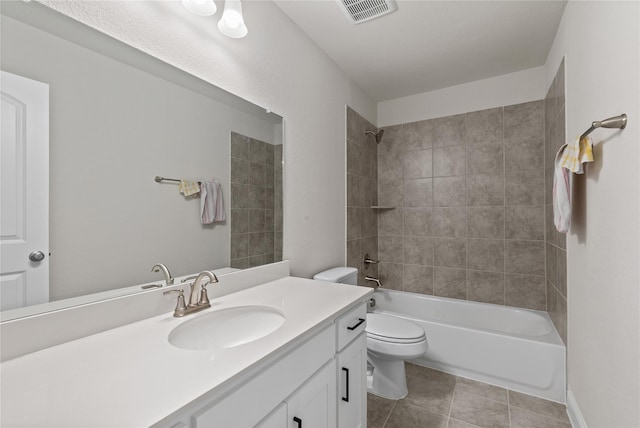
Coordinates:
(36, 256)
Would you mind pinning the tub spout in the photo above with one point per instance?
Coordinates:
(372, 279)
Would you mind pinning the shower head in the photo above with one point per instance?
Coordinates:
(378, 135)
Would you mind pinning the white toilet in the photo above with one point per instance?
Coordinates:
(390, 341)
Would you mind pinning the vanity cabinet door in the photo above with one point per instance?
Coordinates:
(275, 419)
(313, 405)
(352, 384)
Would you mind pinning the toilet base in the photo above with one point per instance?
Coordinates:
(388, 379)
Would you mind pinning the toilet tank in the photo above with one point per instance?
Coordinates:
(343, 275)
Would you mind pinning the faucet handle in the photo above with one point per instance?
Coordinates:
(204, 297)
(181, 307)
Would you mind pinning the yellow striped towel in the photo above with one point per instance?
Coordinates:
(189, 187)
(577, 153)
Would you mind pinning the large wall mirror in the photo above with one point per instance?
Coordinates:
(116, 119)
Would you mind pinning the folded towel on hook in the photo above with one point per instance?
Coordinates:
(576, 154)
(561, 194)
(189, 188)
(211, 202)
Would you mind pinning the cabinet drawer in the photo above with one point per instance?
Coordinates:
(351, 324)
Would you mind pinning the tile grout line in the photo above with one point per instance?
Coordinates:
(453, 396)
(504, 226)
(384, 424)
(509, 406)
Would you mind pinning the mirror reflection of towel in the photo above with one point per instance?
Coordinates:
(211, 202)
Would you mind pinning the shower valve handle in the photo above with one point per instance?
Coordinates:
(368, 261)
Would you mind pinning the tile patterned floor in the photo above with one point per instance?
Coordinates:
(441, 400)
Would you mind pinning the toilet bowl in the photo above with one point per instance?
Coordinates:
(390, 341)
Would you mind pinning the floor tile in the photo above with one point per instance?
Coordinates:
(479, 411)
(431, 390)
(410, 367)
(441, 400)
(538, 405)
(482, 389)
(378, 410)
(405, 415)
(455, 423)
(521, 418)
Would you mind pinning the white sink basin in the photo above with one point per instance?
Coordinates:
(226, 328)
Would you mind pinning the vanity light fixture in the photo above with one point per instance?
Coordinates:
(232, 23)
(200, 7)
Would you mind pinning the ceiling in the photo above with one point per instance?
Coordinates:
(428, 45)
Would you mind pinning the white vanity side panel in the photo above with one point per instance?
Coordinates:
(30, 334)
(247, 405)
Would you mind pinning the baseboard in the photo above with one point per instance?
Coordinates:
(575, 415)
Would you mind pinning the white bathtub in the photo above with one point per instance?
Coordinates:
(514, 348)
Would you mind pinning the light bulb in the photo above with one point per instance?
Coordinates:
(232, 23)
(200, 7)
(233, 19)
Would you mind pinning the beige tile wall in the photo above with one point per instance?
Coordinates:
(362, 194)
(256, 202)
(468, 201)
(555, 243)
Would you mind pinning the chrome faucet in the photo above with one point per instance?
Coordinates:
(168, 279)
(198, 300)
(203, 299)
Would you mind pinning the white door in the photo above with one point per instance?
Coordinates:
(24, 192)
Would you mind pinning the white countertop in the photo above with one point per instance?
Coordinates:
(131, 376)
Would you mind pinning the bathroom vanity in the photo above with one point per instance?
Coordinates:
(309, 371)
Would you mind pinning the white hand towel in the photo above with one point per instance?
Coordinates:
(211, 202)
(561, 194)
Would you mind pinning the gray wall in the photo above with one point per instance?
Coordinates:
(467, 205)
(362, 194)
(256, 196)
(467, 193)
(556, 243)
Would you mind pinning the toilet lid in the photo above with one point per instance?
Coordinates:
(393, 329)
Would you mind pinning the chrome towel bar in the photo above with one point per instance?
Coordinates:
(619, 122)
(159, 179)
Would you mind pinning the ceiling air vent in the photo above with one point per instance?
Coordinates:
(365, 10)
